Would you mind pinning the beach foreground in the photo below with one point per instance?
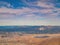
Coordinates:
(15, 38)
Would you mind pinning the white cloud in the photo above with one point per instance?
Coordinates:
(40, 3)
(29, 17)
(45, 5)
(45, 16)
(29, 12)
(48, 10)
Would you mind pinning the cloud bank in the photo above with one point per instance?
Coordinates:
(36, 10)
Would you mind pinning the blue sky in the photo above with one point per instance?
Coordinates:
(30, 12)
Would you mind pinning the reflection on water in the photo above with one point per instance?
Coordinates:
(41, 36)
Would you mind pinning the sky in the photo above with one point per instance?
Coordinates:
(29, 12)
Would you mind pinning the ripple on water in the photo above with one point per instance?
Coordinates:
(41, 36)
